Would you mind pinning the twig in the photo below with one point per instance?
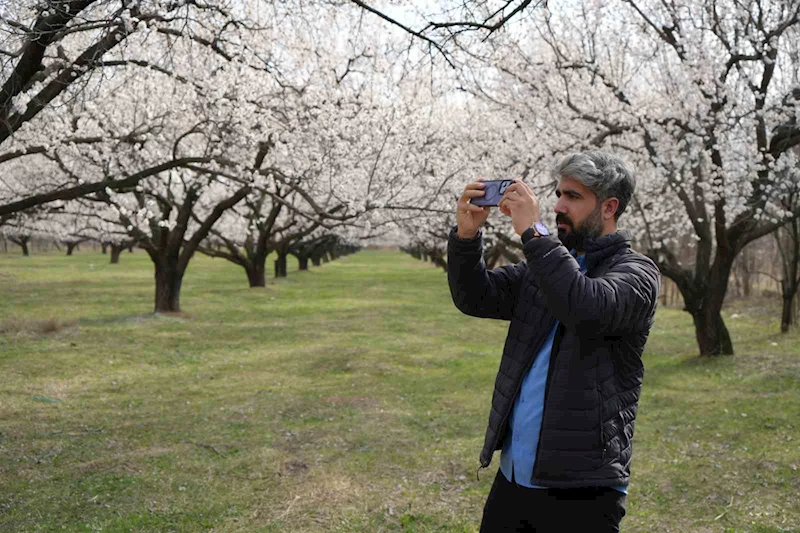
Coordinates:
(725, 511)
(288, 509)
(417, 34)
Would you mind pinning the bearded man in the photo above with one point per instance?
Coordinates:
(580, 306)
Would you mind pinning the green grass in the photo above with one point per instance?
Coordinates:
(352, 397)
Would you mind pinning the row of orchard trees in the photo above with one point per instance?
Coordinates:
(315, 250)
(228, 126)
(235, 128)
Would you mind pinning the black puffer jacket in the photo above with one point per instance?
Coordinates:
(595, 373)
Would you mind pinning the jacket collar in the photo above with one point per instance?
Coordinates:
(603, 247)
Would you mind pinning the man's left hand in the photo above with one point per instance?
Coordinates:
(520, 203)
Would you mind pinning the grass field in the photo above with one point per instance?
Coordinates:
(349, 398)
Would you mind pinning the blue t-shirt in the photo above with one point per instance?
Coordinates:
(525, 423)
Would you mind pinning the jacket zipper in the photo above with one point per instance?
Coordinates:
(513, 399)
(505, 419)
(600, 420)
(550, 371)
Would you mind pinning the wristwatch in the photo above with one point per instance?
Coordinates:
(537, 230)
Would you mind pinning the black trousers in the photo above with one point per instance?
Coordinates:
(513, 508)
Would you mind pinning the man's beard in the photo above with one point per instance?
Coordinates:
(590, 228)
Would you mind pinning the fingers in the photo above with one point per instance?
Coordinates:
(504, 208)
(511, 200)
(518, 191)
(472, 193)
(466, 207)
(472, 190)
(507, 204)
(476, 208)
(519, 187)
(464, 202)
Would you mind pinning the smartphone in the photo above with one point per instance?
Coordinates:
(494, 190)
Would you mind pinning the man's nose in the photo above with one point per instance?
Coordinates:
(559, 208)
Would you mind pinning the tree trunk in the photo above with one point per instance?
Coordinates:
(104, 248)
(786, 314)
(116, 250)
(316, 260)
(439, 260)
(22, 242)
(796, 310)
(71, 246)
(747, 269)
(280, 266)
(703, 299)
(789, 291)
(789, 251)
(256, 275)
(302, 261)
(712, 334)
(168, 289)
(704, 303)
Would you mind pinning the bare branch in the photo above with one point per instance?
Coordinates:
(89, 188)
(405, 28)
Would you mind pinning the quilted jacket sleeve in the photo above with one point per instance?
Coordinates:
(622, 300)
(477, 291)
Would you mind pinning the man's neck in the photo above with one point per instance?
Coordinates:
(607, 230)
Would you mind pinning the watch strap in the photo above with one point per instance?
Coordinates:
(528, 234)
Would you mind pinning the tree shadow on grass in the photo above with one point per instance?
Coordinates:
(751, 361)
(36, 327)
(136, 318)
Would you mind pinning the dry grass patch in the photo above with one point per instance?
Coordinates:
(174, 315)
(356, 402)
(312, 503)
(128, 462)
(32, 327)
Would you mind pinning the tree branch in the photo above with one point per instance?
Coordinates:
(89, 188)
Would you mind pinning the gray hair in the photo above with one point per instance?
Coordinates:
(606, 175)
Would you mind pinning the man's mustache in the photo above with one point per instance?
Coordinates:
(564, 219)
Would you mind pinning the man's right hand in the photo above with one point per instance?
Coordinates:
(470, 217)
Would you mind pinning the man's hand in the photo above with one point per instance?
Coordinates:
(520, 203)
(470, 217)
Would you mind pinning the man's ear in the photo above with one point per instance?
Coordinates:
(610, 208)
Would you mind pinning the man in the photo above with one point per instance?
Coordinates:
(581, 306)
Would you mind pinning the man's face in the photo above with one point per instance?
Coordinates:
(578, 214)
